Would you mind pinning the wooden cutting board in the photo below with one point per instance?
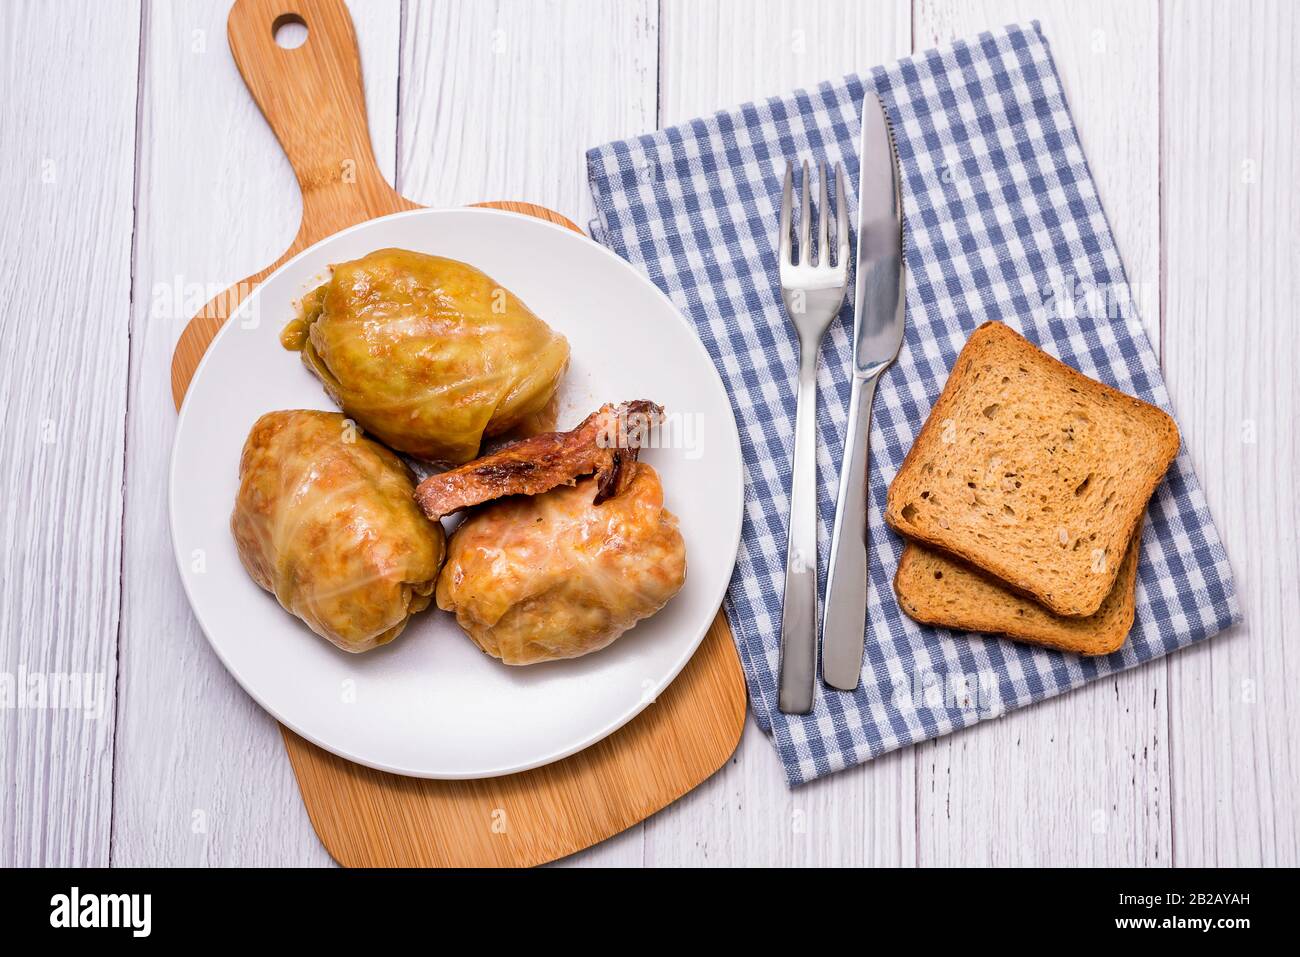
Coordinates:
(312, 97)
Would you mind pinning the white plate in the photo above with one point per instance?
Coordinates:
(431, 704)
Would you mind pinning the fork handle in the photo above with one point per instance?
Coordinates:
(845, 617)
(799, 604)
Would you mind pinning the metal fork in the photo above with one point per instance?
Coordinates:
(813, 291)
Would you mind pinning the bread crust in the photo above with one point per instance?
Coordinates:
(1084, 594)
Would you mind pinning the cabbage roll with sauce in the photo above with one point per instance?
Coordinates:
(556, 575)
(430, 355)
(325, 521)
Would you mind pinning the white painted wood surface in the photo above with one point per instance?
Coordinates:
(1082, 778)
(715, 55)
(1231, 280)
(1186, 111)
(65, 240)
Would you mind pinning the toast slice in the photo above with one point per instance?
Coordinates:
(1032, 472)
(934, 589)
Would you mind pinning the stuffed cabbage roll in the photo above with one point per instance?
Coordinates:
(535, 578)
(430, 355)
(325, 521)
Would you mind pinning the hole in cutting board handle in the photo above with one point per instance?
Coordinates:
(289, 31)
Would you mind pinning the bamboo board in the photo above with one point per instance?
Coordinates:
(312, 96)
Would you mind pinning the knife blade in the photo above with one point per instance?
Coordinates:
(878, 322)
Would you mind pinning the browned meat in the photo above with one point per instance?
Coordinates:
(602, 445)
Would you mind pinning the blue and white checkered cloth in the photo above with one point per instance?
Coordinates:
(1003, 222)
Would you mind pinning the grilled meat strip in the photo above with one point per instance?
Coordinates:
(600, 446)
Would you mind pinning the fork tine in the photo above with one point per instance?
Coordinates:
(805, 220)
(841, 219)
(823, 219)
(787, 197)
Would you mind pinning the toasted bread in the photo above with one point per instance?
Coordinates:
(1032, 472)
(934, 589)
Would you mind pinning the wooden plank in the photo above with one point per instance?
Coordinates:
(190, 741)
(720, 53)
(371, 819)
(202, 777)
(68, 115)
(1231, 90)
(1081, 779)
(350, 806)
(714, 55)
(502, 100)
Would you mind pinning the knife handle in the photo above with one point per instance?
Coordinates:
(799, 602)
(845, 617)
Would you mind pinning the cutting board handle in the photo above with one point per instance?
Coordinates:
(313, 98)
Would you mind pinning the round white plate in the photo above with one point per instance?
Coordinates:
(431, 704)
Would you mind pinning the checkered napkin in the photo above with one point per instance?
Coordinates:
(1002, 222)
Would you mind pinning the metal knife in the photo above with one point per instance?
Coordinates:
(878, 317)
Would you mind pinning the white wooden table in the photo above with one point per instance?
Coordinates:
(126, 124)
